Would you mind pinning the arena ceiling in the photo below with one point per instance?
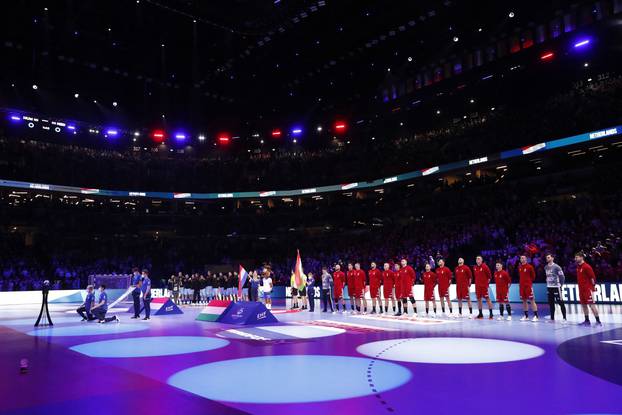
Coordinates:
(237, 61)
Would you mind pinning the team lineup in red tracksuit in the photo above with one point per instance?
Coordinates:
(396, 286)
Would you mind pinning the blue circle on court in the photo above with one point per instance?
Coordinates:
(87, 329)
(149, 346)
(31, 321)
(450, 350)
(215, 380)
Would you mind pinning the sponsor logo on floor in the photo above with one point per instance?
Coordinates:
(281, 333)
(403, 319)
(350, 327)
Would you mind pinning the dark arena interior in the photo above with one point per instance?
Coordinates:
(311, 207)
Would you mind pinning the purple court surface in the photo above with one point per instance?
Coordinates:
(310, 363)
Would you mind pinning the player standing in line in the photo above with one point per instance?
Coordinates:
(444, 282)
(375, 278)
(587, 285)
(339, 279)
(351, 282)
(554, 280)
(527, 275)
(429, 282)
(482, 282)
(463, 284)
(502, 288)
(360, 284)
(398, 288)
(407, 277)
(388, 283)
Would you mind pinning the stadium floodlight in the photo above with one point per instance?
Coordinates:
(340, 126)
(158, 135)
(224, 138)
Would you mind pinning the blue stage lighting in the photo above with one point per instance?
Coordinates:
(581, 43)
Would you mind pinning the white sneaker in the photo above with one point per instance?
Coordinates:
(535, 319)
(334, 312)
(470, 316)
(509, 318)
(499, 318)
(523, 318)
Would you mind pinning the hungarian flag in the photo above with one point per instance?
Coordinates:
(242, 276)
(298, 270)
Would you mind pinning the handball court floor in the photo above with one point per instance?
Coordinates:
(309, 363)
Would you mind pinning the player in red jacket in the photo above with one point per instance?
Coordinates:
(429, 282)
(586, 280)
(339, 279)
(527, 275)
(407, 277)
(444, 276)
(398, 288)
(482, 282)
(388, 284)
(350, 281)
(360, 284)
(375, 279)
(463, 283)
(502, 288)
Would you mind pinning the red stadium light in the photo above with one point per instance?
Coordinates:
(224, 138)
(340, 126)
(547, 56)
(158, 135)
(276, 133)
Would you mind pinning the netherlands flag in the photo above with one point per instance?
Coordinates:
(298, 270)
(533, 148)
(242, 277)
